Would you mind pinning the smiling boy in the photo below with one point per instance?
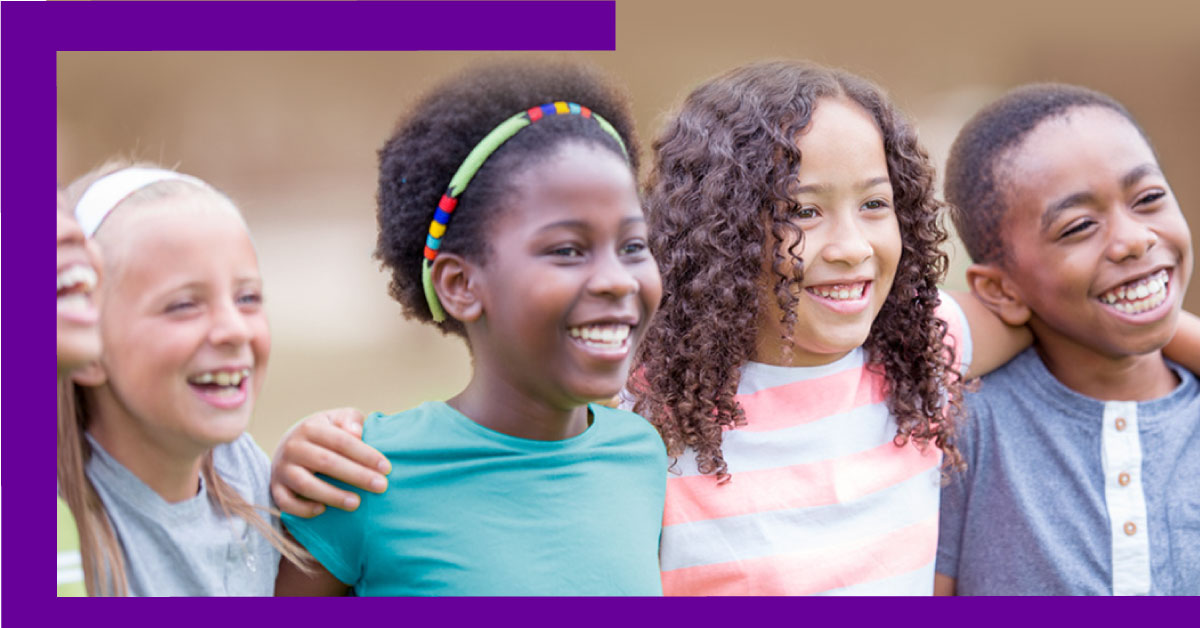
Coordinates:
(1083, 452)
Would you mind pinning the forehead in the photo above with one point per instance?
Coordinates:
(1080, 151)
(575, 177)
(151, 245)
(841, 133)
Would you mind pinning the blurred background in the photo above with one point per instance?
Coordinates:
(291, 136)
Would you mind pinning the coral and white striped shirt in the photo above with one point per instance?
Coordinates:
(821, 500)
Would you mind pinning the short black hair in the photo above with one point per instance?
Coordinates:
(976, 186)
(434, 137)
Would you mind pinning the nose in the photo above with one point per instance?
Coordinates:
(846, 243)
(229, 325)
(612, 278)
(1129, 238)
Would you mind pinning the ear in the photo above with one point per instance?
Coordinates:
(991, 285)
(92, 374)
(456, 282)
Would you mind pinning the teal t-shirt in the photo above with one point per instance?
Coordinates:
(471, 511)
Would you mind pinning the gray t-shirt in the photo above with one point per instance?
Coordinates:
(1069, 495)
(190, 547)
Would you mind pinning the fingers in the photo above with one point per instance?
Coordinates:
(348, 419)
(343, 445)
(289, 502)
(298, 491)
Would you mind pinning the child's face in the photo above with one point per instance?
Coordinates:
(78, 317)
(569, 284)
(851, 242)
(1098, 248)
(183, 325)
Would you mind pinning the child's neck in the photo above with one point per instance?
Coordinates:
(497, 405)
(173, 475)
(1130, 378)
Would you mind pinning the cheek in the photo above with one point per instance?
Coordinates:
(650, 287)
(260, 343)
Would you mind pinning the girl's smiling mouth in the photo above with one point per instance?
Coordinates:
(844, 298)
(606, 340)
(75, 285)
(1140, 298)
(223, 388)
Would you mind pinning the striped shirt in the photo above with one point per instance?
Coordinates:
(821, 500)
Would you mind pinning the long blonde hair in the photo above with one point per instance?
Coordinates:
(100, 549)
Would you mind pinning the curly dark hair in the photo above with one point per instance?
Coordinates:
(433, 139)
(975, 172)
(726, 165)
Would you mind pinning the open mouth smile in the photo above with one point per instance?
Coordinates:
(844, 298)
(1139, 296)
(604, 338)
(223, 388)
(75, 285)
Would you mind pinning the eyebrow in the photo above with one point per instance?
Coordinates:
(825, 187)
(1083, 198)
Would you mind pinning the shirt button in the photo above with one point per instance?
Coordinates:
(1130, 528)
(1120, 423)
(1123, 479)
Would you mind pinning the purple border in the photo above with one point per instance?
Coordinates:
(32, 34)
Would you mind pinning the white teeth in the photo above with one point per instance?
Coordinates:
(840, 292)
(77, 275)
(607, 335)
(221, 378)
(1144, 294)
(74, 302)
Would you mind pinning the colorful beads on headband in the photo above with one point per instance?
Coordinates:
(471, 165)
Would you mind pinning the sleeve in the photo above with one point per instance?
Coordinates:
(334, 537)
(958, 331)
(955, 498)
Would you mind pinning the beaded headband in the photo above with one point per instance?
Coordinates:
(103, 195)
(471, 165)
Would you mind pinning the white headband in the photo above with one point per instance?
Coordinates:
(108, 191)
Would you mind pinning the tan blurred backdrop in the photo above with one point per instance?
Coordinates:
(292, 138)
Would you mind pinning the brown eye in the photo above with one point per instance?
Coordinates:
(1149, 198)
(1078, 227)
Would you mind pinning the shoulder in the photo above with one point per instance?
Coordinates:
(410, 429)
(621, 424)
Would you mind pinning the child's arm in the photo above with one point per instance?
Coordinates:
(993, 341)
(291, 581)
(1184, 348)
(943, 585)
(330, 443)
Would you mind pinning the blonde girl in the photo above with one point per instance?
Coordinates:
(154, 460)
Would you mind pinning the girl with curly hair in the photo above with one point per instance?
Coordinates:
(537, 257)
(804, 369)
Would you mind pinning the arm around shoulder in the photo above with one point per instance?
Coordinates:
(993, 341)
(943, 585)
(293, 581)
(1184, 348)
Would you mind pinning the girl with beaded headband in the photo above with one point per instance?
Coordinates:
(536, 256)
(153, 458)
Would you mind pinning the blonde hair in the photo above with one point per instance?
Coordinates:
(102, 559)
